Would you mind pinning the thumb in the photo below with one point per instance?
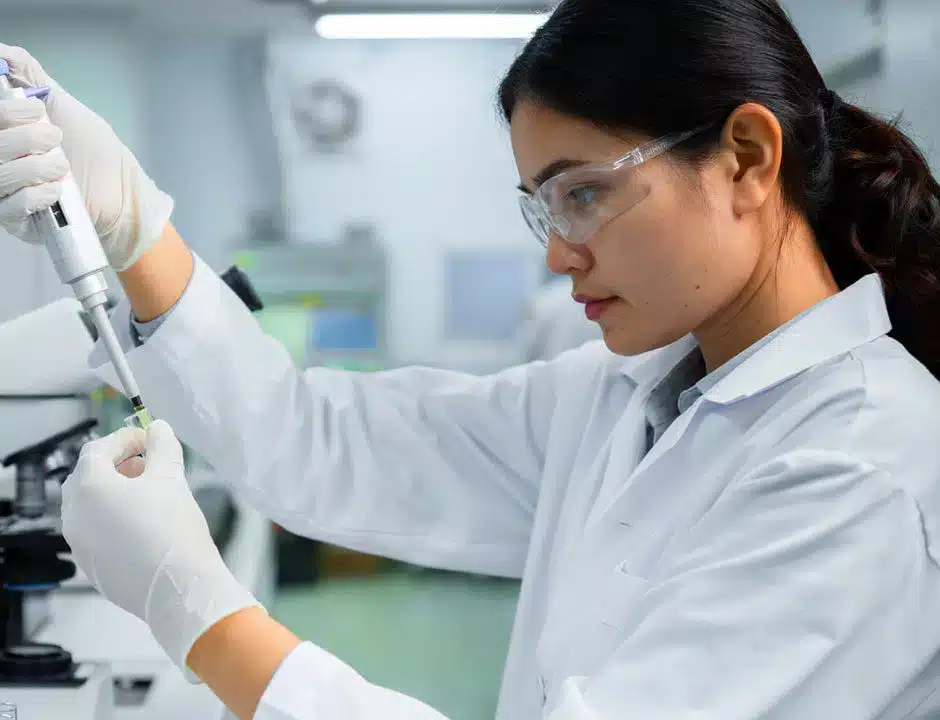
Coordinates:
(164, 454)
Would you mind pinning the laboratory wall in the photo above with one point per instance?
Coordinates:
(208, 134)
(429, 166)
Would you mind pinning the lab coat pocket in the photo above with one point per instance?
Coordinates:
(620, 599)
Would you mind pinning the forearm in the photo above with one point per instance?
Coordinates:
(237, 657)
(261, 671)
(158, 279)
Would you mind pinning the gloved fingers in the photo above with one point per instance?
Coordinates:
(115, 448)
(90, 469)
(20, 205)
(74, 532)
(164, 453)
(132, 467)
(32, 170)
(20, 111)
(34, 139)
(25, 70)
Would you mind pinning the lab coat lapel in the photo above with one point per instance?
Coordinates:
(625, 459)
(645, 484)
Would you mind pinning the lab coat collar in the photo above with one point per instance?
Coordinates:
(649, 369)
(837, 325)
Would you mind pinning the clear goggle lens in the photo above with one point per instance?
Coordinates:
(576, 204)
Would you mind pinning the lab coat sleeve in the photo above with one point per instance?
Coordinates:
(311, 684)
(805, 593)
(435, 468)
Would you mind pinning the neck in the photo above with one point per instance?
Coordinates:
(791, 277)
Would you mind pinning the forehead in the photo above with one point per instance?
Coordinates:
(540, 136)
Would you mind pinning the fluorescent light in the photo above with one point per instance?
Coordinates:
(356, 26)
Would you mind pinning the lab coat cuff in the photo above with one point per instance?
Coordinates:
(309, 683)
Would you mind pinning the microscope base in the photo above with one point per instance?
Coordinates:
(92, 700)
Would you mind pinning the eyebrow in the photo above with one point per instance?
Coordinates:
(551, 170)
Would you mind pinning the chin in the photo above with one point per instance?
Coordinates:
(621, 341)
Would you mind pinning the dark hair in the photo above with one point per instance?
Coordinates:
(663, 66)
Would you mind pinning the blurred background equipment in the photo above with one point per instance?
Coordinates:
(325, 301)
(327, 113)
(369, 197)
(486, 294)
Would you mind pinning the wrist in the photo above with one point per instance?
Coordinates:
(192, 592)
(238, 656)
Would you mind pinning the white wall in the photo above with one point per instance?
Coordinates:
(209, 140)
(432, 168)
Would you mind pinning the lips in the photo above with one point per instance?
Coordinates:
(594, 308)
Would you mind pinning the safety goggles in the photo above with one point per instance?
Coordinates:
(576, 204)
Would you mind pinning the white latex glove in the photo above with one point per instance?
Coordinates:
(138, 534)
(127, 208)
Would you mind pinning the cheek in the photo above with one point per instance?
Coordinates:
(675, 260)
(655, 255)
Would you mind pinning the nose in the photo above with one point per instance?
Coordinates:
(565, 258)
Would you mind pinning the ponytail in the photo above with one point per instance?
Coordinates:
(882, 213)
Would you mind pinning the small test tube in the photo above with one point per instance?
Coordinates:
(140, 419)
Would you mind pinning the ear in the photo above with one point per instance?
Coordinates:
(752, 144)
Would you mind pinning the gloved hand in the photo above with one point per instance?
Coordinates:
(127, 208)
(138, 534)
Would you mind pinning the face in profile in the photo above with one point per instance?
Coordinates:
(659, 248)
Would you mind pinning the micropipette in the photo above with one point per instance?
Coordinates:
(73, 244)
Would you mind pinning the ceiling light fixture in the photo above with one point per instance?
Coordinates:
(427, 26)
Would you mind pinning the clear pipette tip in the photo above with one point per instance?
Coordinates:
(141, 416)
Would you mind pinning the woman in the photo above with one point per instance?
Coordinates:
(738, 518)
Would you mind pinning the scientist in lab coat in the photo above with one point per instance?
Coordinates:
(735, 516)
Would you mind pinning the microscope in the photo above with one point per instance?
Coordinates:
(45, 418)
(32, 564)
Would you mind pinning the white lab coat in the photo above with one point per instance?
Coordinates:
(774, 555)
